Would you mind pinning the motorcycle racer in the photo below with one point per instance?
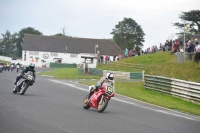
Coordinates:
(109, 79)
(31, 68)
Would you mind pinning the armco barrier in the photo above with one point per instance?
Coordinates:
(81, 71)
(118, 74)
(136, 75)
(179, 88)
(96, 71)
(63, 65)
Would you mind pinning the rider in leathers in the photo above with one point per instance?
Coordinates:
(109, 79)
(29, 68)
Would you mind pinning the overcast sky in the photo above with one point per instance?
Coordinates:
(94, 18)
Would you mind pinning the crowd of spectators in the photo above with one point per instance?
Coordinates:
(192, 47)
(174, 46)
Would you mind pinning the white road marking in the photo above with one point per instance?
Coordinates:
(148, 108)
(47, 76)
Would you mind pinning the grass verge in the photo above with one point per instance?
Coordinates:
(68, 73)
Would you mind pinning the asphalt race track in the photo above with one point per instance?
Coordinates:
(55, 106)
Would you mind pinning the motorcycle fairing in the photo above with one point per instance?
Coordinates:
(20, 81)
(95, 98)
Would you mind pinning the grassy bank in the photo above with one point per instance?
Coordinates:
(160, 64)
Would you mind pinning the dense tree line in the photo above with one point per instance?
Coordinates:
(11, 44)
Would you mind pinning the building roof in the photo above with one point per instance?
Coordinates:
(74, 45)
(193, 37)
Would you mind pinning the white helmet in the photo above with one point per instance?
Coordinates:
(110, 76)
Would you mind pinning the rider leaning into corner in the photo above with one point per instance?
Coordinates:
(109, 79)
(31, 68)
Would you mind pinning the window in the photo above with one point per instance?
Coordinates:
(73, 55)
(33, 53)
(54, 54)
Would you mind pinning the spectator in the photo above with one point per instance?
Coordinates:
(170, 44)
(101, 58)
(109, 58)
(197, 50)
(134, 52)
(156, 48)
(131, 53)
(166, 45)
(153, 49)
(114, 57)
(180, 43)
(190, 49)
(142, 52)
(160, 46)
(106, 58)
(176, 47)
(126, 53)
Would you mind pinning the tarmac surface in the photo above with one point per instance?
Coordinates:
(55, 106)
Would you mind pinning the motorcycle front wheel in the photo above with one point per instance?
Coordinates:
(103, 105)
(23, 88)
(14, 89)
(86, 102)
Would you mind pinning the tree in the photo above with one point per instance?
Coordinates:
(7, 44)
(19, 40)
(128, 34)
(59, 34)
(192, 18)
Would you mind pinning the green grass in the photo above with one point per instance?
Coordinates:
(137, 91)
(152, 59)
(160, 64)
(68, 73)
(1, 61)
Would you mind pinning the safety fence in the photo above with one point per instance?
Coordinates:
(179, 88)
(188, 56)
(81, 71)
(62, 65)
(118, 74)
(95, 71)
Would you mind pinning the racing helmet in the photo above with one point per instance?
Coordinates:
(32, 66)
(110, 76)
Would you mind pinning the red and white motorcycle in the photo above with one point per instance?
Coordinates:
(99, 99)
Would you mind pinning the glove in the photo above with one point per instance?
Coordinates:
(90, 88)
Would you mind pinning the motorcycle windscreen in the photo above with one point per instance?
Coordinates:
(29, 75)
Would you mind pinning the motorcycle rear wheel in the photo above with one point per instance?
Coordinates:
(103, 105)
(86, 102)
(23, 88)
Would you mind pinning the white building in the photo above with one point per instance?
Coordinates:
(41, 50)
